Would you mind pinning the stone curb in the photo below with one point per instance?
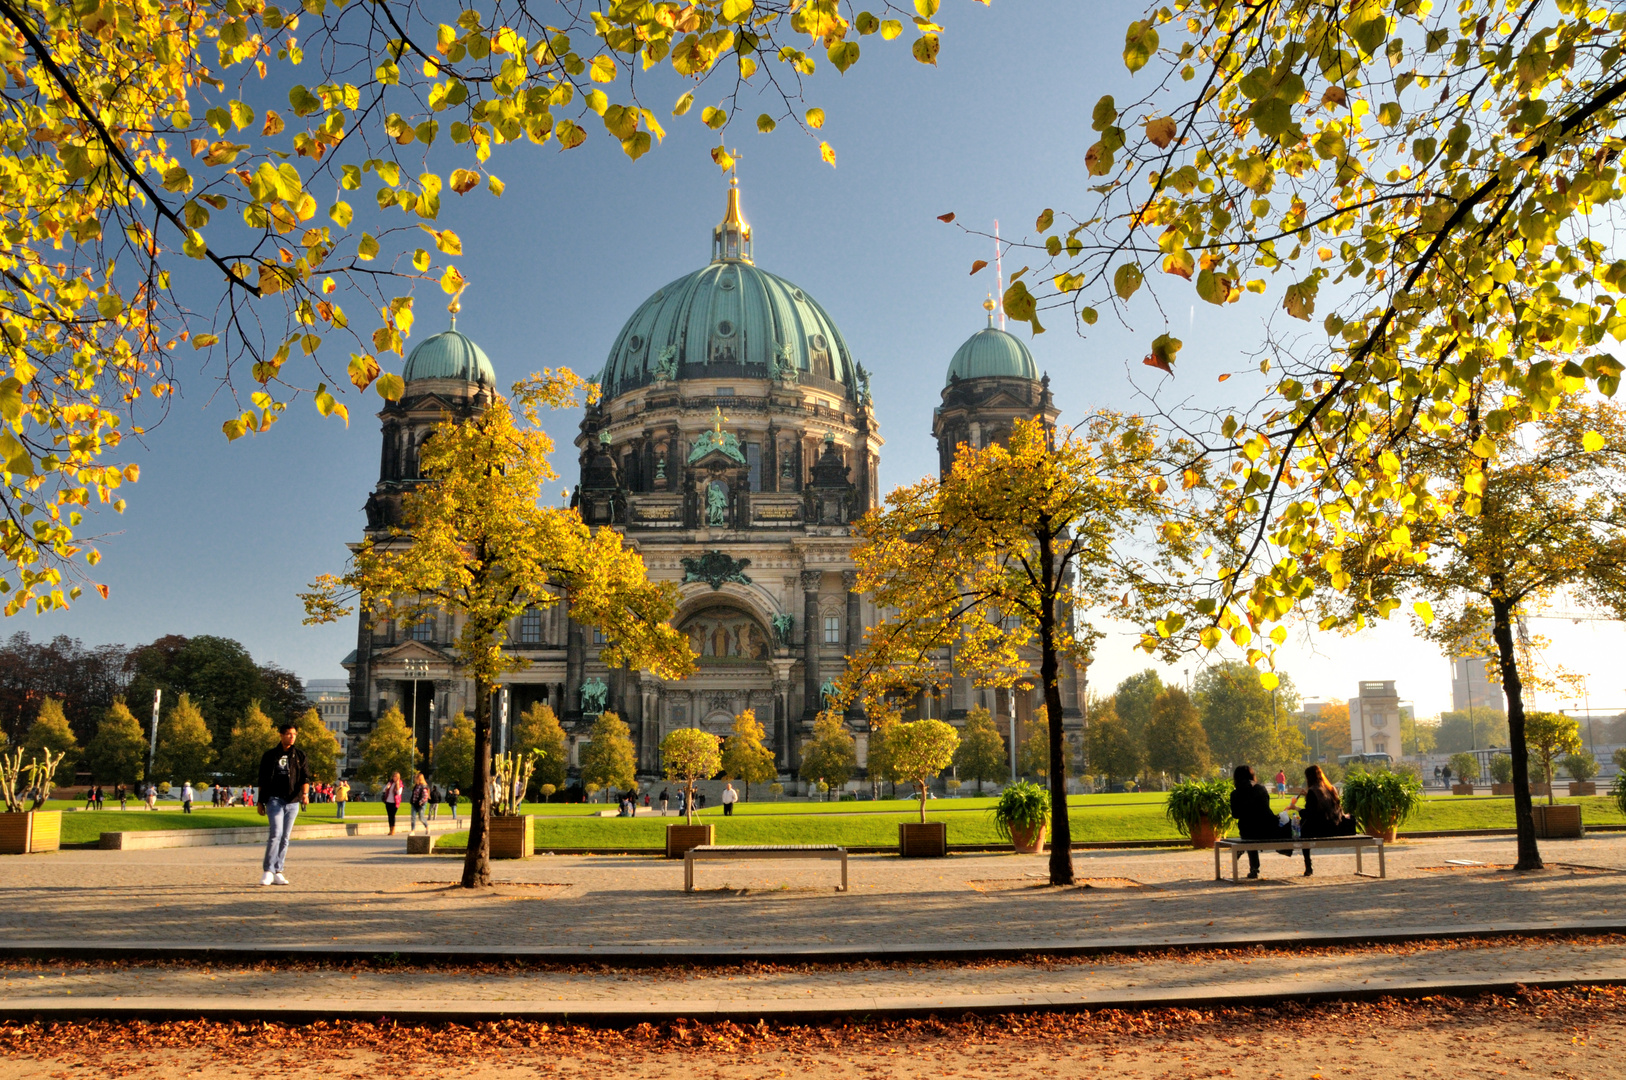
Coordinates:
(628, 1012)
(663, 955)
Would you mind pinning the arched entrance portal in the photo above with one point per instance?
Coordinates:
(733, 649)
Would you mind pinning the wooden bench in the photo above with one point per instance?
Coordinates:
(1358, 844)
(761, 851)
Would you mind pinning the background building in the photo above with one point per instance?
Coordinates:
(734, 444)
(331, 699)
(1472, 688)
(1374, 720)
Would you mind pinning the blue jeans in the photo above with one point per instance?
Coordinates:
(280, 815)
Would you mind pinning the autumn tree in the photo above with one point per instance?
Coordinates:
(1174, 738)
(1429, 188)
(921, 749)
(1329, 732)
(388, 749)
(1034, 756)
(981, 754)
(50, 734)
(609, 759)
(1248, 723)
(454, 754)
(139, 135)
(744, 757)
(1516, 513)
(117, 754)
(251, 737)
(1113, 751)
(321, 746)
(1134, 698)
(477, 539)
(831, 754)
(185, 747)
(1548, 736)
(539, 729)
(878, 753)
(1004, 554)
(689, 755)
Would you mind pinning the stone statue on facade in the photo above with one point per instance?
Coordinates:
(782, 627)
(716, 504)
(594, 694)
(784, 365)
(666, 366)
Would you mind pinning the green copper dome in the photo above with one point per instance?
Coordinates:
(992, 352)
(730, 320)
(449, 355)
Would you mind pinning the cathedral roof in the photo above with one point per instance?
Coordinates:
(729, 319)
(449, 355)
(992, 352)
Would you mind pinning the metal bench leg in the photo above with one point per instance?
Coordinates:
(1383, 871)
(843, 871)
(688, 872)
(1217, 861)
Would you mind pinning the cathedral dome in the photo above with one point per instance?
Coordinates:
(729, 320)
(992, 352)
(449, 355)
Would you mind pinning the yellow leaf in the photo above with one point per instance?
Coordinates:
(925, 49)
(722, 157)
(449, 242)
(1269, 680)
(891, 28)
(1592, 442)
(765, 123)
(828, 154)
(1424, 612)
(603, 69)
(815, 118)
(683, 104)
(927, 8)
(451, 280)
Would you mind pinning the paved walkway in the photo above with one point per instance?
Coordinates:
(367, 893)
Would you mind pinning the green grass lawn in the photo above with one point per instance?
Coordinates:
(87, 826)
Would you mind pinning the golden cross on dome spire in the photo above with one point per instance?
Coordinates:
(457, 302)
(717, 419)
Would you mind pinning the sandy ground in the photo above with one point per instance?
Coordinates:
(1567, 1034)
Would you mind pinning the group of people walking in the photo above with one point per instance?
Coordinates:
(423, 799)
(1321, 815)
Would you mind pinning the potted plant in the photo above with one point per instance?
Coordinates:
(1501, 769)
(1582, 767)
(1465, 767)
(1020, 816)
(919, 751)
(511, 833)
(1200, 809)
(688, 755)
(29, 828)
(1381, 801)
(1547, 735)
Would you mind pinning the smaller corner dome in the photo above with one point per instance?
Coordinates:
(991, 352)
(449, 354)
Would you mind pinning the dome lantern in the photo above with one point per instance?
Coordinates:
(731, 238)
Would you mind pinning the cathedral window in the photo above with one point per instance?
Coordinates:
(424, 629)
(753, 460)
(530, 627)
(832, 630)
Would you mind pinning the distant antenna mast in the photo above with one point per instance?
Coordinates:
(999, 273)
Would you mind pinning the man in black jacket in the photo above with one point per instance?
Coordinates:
(284, 787)
(1255, 820)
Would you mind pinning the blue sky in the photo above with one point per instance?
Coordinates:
(219, 537)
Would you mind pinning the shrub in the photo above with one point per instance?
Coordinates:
(547, 791)
(1022, 806)
(1581, 766)
(1620, 758)
(1465, 767)
(1501, 768)
(776, 789)
(952, 784)
(1618, 791)
(1380, 801)
(1193, 799)
(687, 755)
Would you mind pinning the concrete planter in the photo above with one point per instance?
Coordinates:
(1028, 841)
(1462, 789)
(1583, 787)
(1501, 789)
(513, 837)
(923, 840)
(680, 838)
(1560, 821)
(30, 831)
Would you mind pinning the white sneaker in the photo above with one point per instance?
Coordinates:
(278, 879)
(267, 878)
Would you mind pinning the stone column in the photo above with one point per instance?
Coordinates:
(811, 704)
(575, 664)
(855, 637)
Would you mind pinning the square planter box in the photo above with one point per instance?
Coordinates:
(927, 840)
(1583, 787)
(1561, 821)
(30, 831)
(1501, 789)
(512, 837)
(680, 838)
(1462, 789)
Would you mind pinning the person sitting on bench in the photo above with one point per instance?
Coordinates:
(1322, 815)
(1255, 820)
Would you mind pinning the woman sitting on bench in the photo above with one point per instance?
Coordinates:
(1322, 815)
(1255, 820)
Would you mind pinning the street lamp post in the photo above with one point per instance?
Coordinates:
(417, 670)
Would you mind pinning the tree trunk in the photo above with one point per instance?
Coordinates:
(477, 860)
(1061, 829)
(1502, 631)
